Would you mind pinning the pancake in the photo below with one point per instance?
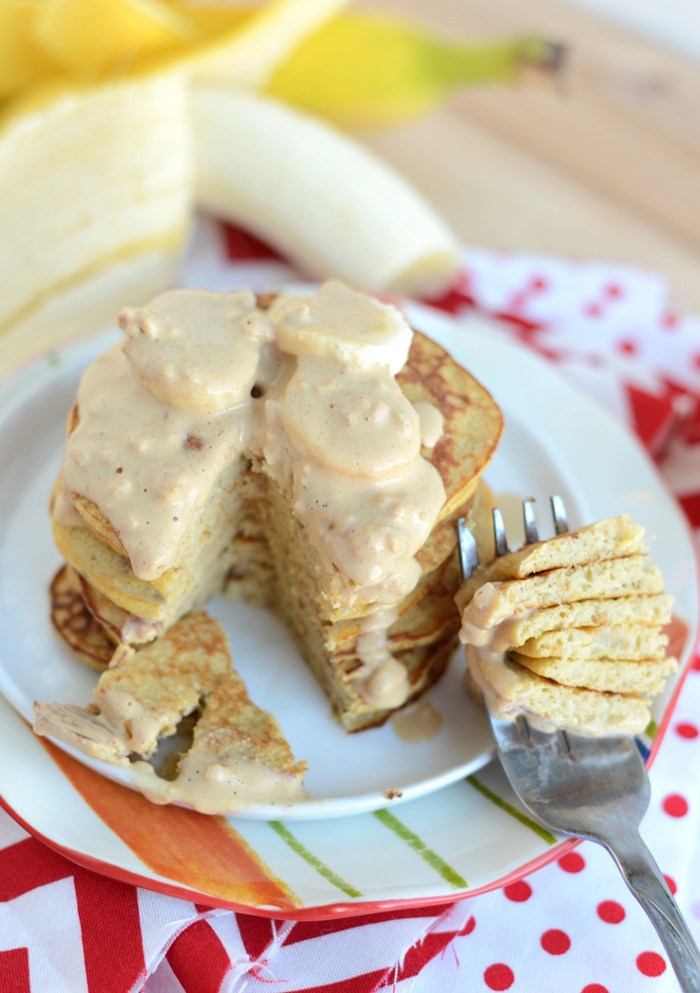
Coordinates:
(496, 601)
(123, 628)
(634, 641)
(374, 643)
(635, 676)
(580, 643)
(652, 610)
(513, 689)
(74, 623)
(608, 539)
(238, 754)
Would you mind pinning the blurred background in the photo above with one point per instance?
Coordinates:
(559, 128)
(605, 164)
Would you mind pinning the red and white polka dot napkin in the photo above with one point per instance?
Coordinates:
(571, 927)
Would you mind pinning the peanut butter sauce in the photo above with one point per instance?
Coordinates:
(214, 785)
(306, 387)
(417, 723)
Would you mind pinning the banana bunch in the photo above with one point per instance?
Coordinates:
(118, 118)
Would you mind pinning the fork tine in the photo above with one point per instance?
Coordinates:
(468, 550)
(561, 524)
(499, 532)
(530, 521)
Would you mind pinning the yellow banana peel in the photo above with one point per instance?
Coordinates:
(106, 36)
(78, 41)
(368, 70)
(22, 60)
(354, 69)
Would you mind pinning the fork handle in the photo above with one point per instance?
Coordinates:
(644, 878)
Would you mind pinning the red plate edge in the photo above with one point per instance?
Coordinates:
(325, 912)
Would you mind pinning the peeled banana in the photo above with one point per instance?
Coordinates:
(317, 195)
(91, 178)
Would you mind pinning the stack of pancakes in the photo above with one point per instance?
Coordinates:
(247, 542)
(571, 629)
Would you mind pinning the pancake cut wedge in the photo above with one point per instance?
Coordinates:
(651, 610)
(608, 539)
(238, 754)
(495, 601)
(636, 676)
(514, 689)
(632, 641)
(570, 631)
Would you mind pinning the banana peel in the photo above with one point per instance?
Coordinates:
(22, 60)
(369, 70)
(72, 34)
(110, 140)
(104, 40)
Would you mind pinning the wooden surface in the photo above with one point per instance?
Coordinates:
(605, 166)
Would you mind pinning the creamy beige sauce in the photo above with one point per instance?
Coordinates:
(420, 722)
(477, 629)
(139, 726)
(381, 680)
(497, 683)
(213, 785)
(308, 388)
(432, 423)
(212, 782)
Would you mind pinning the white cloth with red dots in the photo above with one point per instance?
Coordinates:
(570, 927)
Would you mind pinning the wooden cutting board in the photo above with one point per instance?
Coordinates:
(606, 165)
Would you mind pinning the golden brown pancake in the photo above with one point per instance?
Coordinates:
(570, 630)
(636, 676)
(589, 711)
(247, 542)
(238, 753)
(610, 641)
(73, 622)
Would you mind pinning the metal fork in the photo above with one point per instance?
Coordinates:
(588, 787)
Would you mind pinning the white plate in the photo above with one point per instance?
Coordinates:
(344, 776)
(555, 441)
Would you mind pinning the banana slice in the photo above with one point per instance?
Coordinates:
(339, 323)
(89, 179)
(315, 194)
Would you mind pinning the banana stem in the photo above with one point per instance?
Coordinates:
(498, 62)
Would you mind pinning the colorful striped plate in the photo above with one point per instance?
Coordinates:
(391, 822)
